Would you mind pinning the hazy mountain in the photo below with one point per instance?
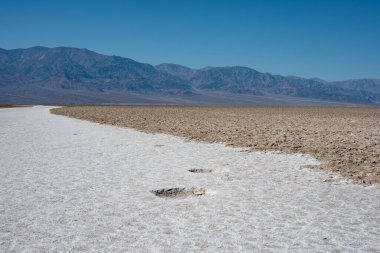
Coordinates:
(246, 80)
(371, 85)
(177, 70)
(81, 69)
(71, 75)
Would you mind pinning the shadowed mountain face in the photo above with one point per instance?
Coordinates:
(71, 75)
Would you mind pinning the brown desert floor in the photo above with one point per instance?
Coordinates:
(11, 106)
(346, 140)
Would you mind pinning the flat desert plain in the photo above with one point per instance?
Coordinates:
(346, 140)
(70, 185)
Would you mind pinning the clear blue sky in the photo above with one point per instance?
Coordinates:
(331, 39)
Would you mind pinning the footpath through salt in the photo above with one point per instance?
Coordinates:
(68, 185)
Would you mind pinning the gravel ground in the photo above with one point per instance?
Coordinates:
(346, 140)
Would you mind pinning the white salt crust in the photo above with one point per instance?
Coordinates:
(68, 185)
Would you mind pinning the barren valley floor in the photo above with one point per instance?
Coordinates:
(346, 140)
(69, 185)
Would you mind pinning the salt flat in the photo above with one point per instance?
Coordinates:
(68, 185)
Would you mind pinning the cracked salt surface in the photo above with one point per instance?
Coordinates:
(68, 185)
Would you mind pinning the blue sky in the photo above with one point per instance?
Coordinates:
(332, 40)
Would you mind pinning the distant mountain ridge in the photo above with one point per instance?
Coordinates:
(246, 80)
(72, 75)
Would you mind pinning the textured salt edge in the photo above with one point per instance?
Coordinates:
(69, 185)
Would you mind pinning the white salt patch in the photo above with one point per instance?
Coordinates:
(68, 185)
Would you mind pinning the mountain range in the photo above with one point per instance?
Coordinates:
(63, 75)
